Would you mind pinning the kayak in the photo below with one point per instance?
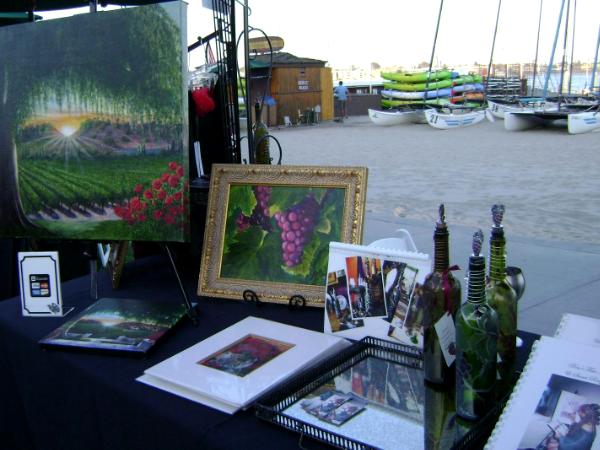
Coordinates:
(467, 87)
(465, 79)
(417, 77)
(406, 95)
(386, 103)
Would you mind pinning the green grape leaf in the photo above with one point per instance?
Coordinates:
(269, 258)
(324, 225)
(242, 198)
(235, 262)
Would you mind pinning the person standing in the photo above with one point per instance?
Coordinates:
(341, 94)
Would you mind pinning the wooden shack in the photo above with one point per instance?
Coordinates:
(296, 88)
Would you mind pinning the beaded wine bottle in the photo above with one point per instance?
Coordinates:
(441, 296)
(262, 154)
(476, 339)
(500, 295)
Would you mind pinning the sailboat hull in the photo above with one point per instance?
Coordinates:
(443, 121)
(583, 122)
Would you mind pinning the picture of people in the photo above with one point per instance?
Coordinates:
(406, 311)
(365, 286)
(369, 378)
(566, 417)
(332, 406)
(337, 303)
(246, 355)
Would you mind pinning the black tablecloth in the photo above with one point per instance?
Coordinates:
(61, 400)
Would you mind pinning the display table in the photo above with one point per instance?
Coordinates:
(57, 399)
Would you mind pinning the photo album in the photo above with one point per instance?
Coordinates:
(556, 402)
(231, 369)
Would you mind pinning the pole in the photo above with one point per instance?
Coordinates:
(549, 69)
(487, 78)
(572, 46)
(248, 86)
(437, 28)
(564, 56)
(537, 46)
(595, 62)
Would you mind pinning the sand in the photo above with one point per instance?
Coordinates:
(548, 180)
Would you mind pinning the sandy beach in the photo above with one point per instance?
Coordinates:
(548, 180)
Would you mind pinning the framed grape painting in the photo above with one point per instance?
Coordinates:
(268, 229)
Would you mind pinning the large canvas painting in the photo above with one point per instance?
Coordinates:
(269, 228)
(93, 126)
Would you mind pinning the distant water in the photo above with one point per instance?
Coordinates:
(580, 82)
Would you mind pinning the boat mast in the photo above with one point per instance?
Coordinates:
(437, 28)
(564, 56)
(549, 69)
(537, 46)
(487, 78)
(595, 64)
(572, 46)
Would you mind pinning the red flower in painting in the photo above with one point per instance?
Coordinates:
(162, 202)
(157, 184)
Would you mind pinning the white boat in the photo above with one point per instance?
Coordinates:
(446, 121)
(583, 122)
(498, 110)
(395, 117)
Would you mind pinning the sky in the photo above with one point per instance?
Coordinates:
(401, 32)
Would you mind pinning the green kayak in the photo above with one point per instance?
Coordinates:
(411, 87)
(416, 77)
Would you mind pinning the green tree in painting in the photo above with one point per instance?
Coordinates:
(125, 62)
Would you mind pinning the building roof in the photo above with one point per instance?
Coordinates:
(283, 59)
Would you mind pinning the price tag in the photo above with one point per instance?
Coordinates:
(447, 337)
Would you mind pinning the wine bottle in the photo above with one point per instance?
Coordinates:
(441, 297)
(500, 295)
(476, 343)
(261, 139)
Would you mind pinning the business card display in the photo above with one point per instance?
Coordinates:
(39, 275)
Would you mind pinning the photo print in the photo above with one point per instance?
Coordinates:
(369, 379)
(246, 355)
(332, 406)
(365, 285)
(404, 391)
(403, 299)
(337, 302)
(567, 416)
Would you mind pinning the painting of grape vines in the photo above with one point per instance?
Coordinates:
(273, 235)
(93, 126)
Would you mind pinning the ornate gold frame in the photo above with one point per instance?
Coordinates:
(352, 179)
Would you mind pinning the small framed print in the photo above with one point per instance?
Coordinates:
(39, 275)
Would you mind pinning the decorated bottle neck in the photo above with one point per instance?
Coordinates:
(497, 255)
(441, 259)
(476, 288)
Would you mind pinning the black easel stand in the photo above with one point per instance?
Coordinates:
(92, 254)
(296, 301)
(191, 309)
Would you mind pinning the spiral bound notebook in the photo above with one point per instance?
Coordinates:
(579, 329)
(556, 402)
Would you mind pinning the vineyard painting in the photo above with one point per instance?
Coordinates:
(93, 126)
(274, 226)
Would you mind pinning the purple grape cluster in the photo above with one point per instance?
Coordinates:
(260, 213)
(297, 224)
